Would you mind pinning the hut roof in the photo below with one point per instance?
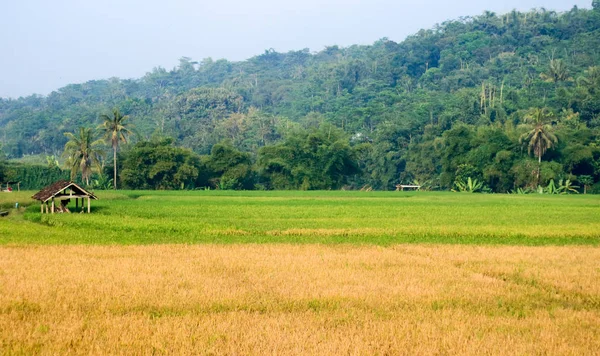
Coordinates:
(54, 190)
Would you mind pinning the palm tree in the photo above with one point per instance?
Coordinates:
(557, 71)
(115, 132)
(540, 138)
(591, 80)
(587, 181)
(82, 153)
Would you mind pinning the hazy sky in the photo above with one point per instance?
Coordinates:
(48, 44)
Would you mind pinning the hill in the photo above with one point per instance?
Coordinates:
(447, 103)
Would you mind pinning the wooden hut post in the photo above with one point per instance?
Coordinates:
(52, 205)
(88, 204)
(42, 208)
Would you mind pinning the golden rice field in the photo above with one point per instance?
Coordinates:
(314, 299)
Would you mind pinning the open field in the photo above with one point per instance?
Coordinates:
(302, 273)
(299, 299)
(381, 218)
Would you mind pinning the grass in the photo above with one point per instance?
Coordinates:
(379, 218)
(299, 299)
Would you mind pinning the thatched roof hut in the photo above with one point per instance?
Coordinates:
(63, 191)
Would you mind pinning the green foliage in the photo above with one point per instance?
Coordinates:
(103, 183)
(471, 97)
(230, 168)
(563, 187)
(567, 187)
(309, 160)
(82, 153)
(540, 137)
(520, 191)
(587, 181)
(115, 131)
(52, 161)
(552, 188)
(32, 177)
(3, 168)
(465, 172)
(557, 71)
(159, 165)
(468, 186)
(426, 185)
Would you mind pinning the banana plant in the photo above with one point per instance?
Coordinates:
(426, 185)
(470, 186)
(52, 161)
(103, 183)
(567, 187)
(520, 191)
(552, 188)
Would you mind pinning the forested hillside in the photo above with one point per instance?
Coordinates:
(510, 100)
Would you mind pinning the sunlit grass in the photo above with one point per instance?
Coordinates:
(139, 217)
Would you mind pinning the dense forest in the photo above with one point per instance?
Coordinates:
(496, 102)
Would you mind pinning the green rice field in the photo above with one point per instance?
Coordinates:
(322, 217)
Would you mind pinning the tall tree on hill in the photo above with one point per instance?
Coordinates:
(557, 71)
(82, 153)
(540, 137)
(115, 131)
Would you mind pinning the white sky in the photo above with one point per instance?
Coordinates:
(48, 44)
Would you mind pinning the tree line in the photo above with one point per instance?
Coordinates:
(508, 158)
(318, 158)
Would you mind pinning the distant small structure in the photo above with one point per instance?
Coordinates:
(404, 186)
(63, 191)
(8, 188)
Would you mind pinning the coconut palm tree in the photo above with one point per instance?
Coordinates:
(115, 132)
(587, 181)
(557, 71)
(591, 79)
(82, 153)
(540, 137)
